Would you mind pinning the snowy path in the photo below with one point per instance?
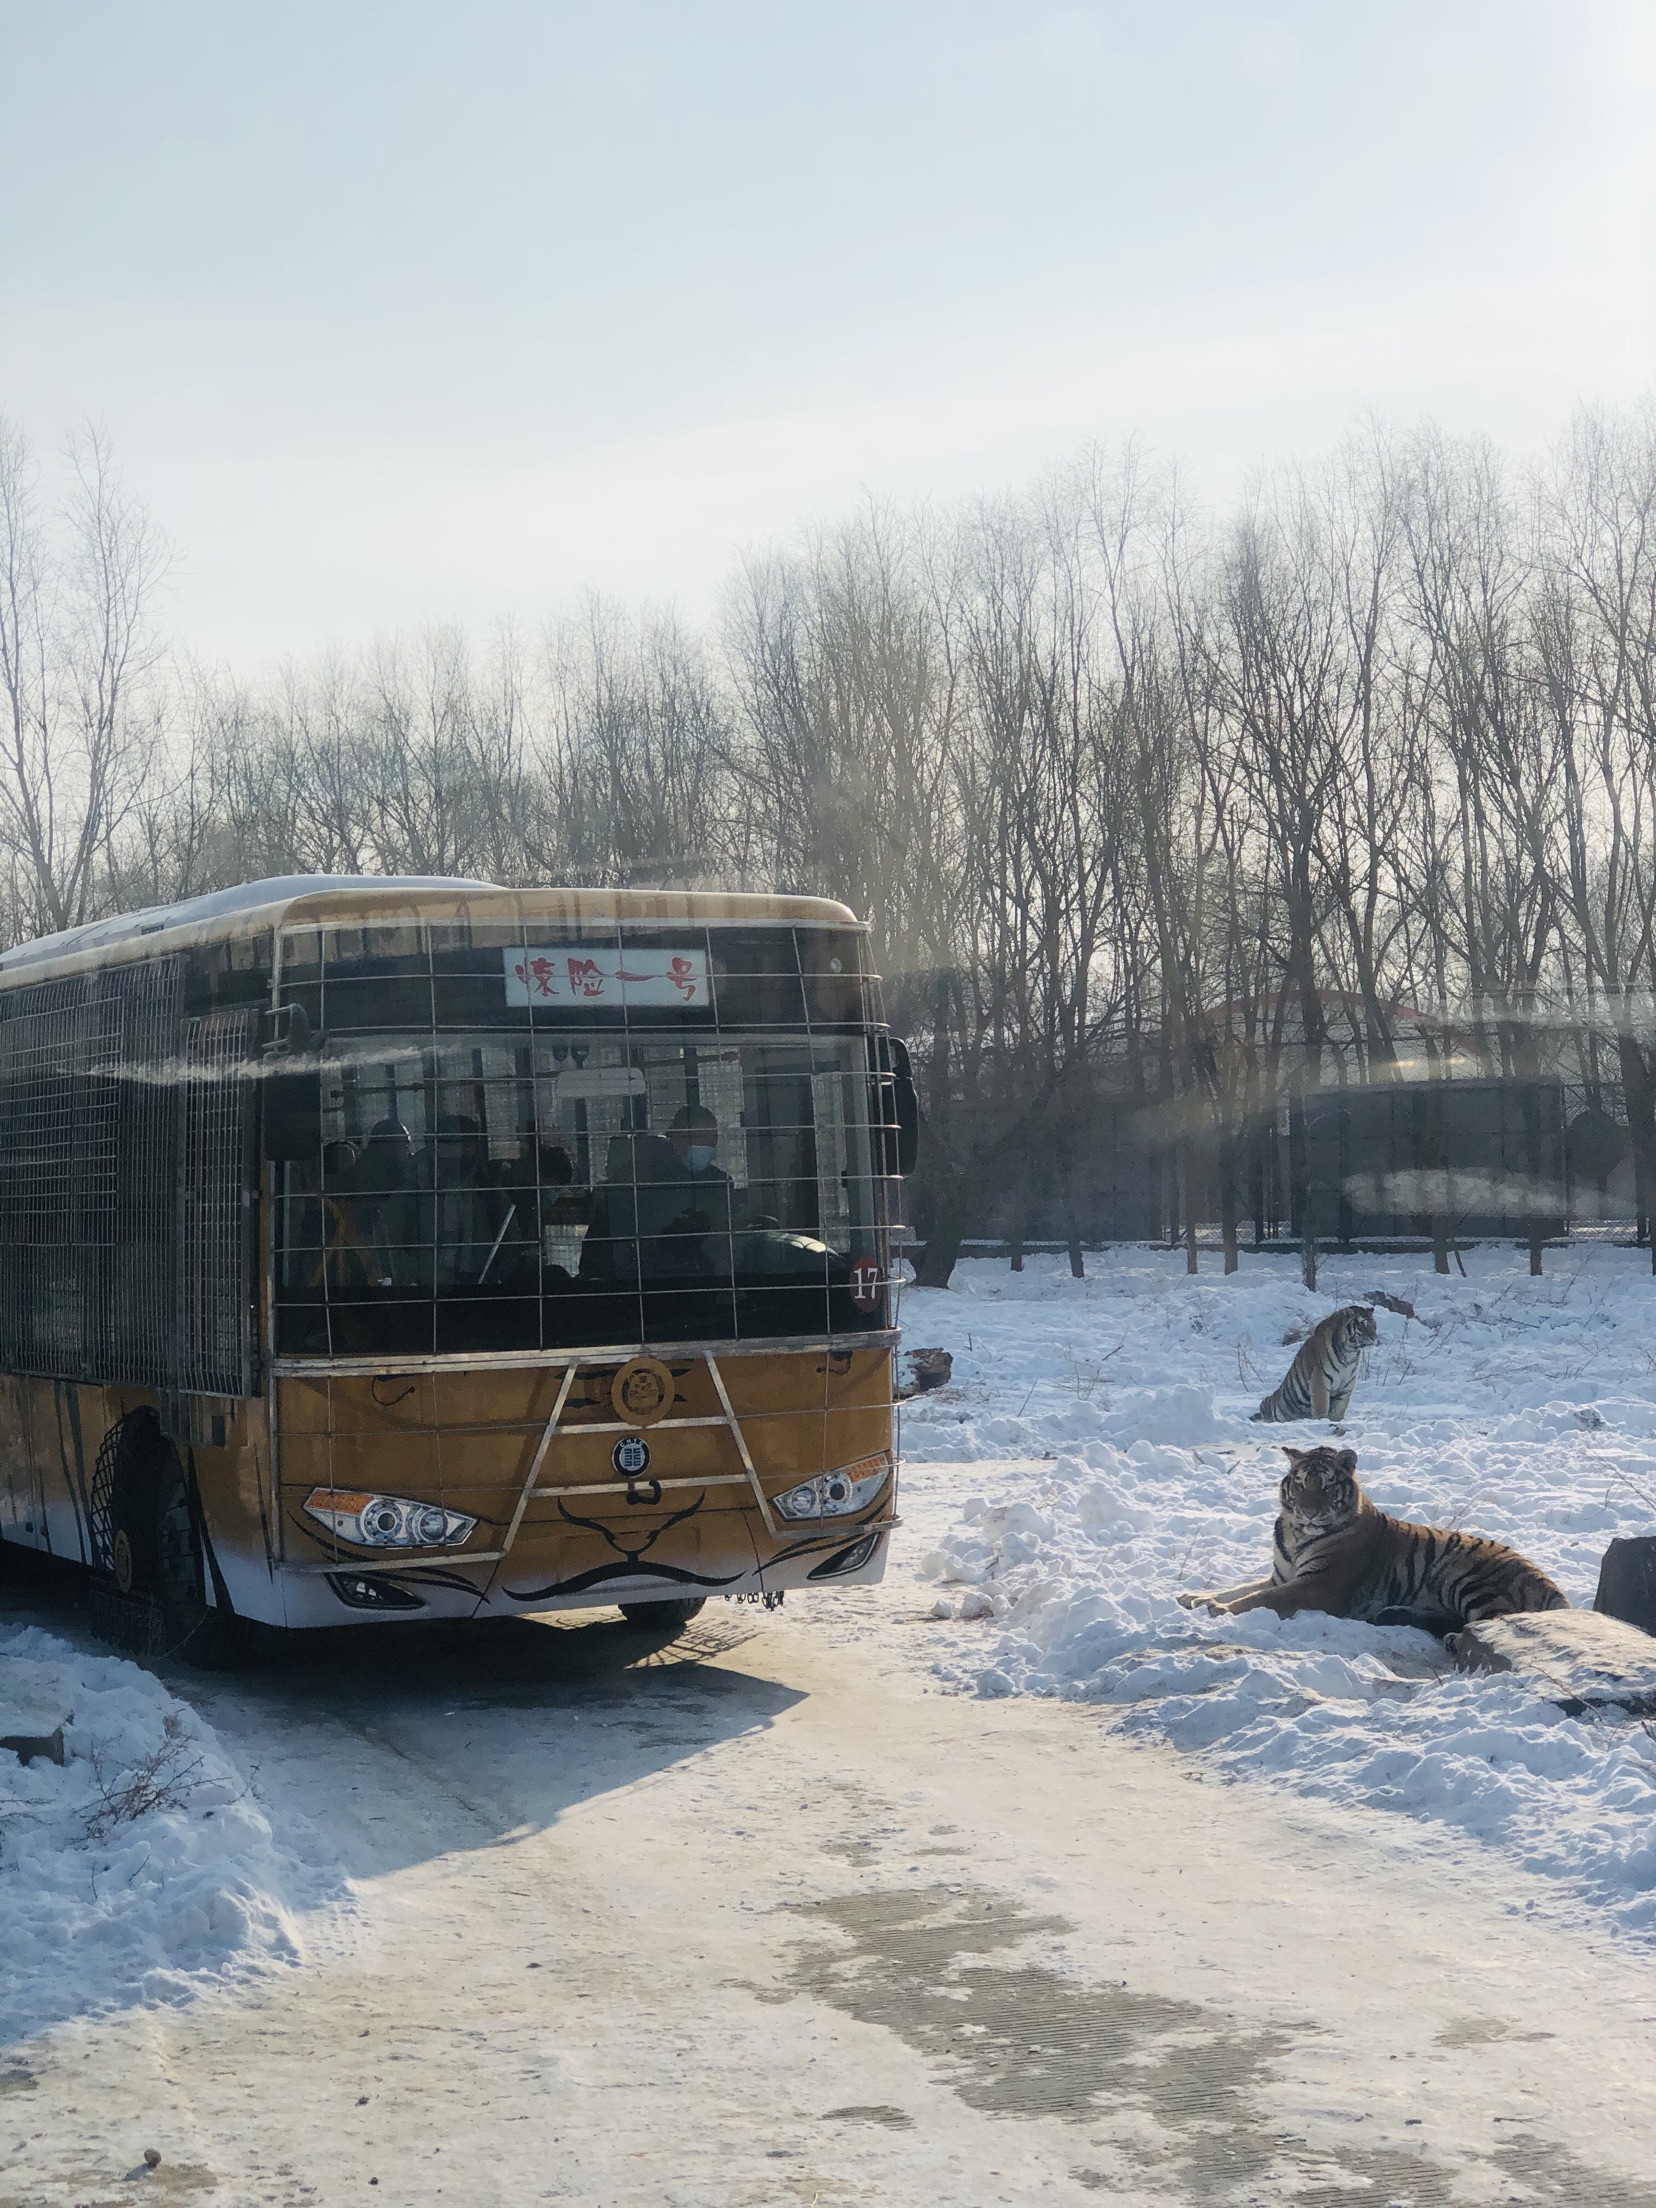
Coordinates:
(762, 1920)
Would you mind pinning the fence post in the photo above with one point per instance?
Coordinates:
(1532, 1152)
(1299, 1187)
(1186, 1174)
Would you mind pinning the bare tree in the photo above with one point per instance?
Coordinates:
(1156, 817)
(77, 643)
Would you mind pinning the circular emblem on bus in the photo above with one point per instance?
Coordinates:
(865, 1284)
(630, 1456)
(642, 1391)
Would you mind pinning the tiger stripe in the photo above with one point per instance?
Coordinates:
(1319, 1382)
(1332, 1550)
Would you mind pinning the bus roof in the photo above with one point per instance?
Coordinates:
(361, 899)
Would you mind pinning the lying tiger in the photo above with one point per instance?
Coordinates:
(1319, 1382)
(1334, 1551)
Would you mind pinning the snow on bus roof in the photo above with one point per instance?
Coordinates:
(284, 889)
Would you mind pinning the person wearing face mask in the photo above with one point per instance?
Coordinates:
(694, 1135)
(687, 1199)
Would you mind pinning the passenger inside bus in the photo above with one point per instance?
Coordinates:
(491, 1205)
(666, 1208)
(384, 1181)
(397, 1218)
(464, 1217)
(342, 1254)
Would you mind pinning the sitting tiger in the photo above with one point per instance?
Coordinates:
(1320, 1379)
(1334, 1551)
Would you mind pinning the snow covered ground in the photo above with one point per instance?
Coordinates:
(1093, 1456)
(142, 1869)
(763, 1917)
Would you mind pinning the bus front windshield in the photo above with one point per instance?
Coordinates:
(482, 1190)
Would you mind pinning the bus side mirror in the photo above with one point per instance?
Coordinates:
(293, 1115)
(908, 1106)
(285, 1032)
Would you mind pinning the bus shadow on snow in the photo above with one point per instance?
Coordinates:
(548, 1662)
(424, 1739)
(404, 1742)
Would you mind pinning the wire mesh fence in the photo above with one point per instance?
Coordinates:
(88, 1197)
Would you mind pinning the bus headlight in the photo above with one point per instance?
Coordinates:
(835, 1494)
(387, 1521)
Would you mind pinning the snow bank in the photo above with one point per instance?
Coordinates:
(1094, 1456)
(142, 1870)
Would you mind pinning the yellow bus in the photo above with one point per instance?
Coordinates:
(391, 1249)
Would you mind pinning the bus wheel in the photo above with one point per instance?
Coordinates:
(155, 1553)
(664, 1617)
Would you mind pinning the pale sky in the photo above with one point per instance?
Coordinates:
(401, 311)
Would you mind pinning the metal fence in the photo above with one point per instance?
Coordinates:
(1473, 1158)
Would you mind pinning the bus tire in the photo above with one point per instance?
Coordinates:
(155, 1559)
(664, 1617)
